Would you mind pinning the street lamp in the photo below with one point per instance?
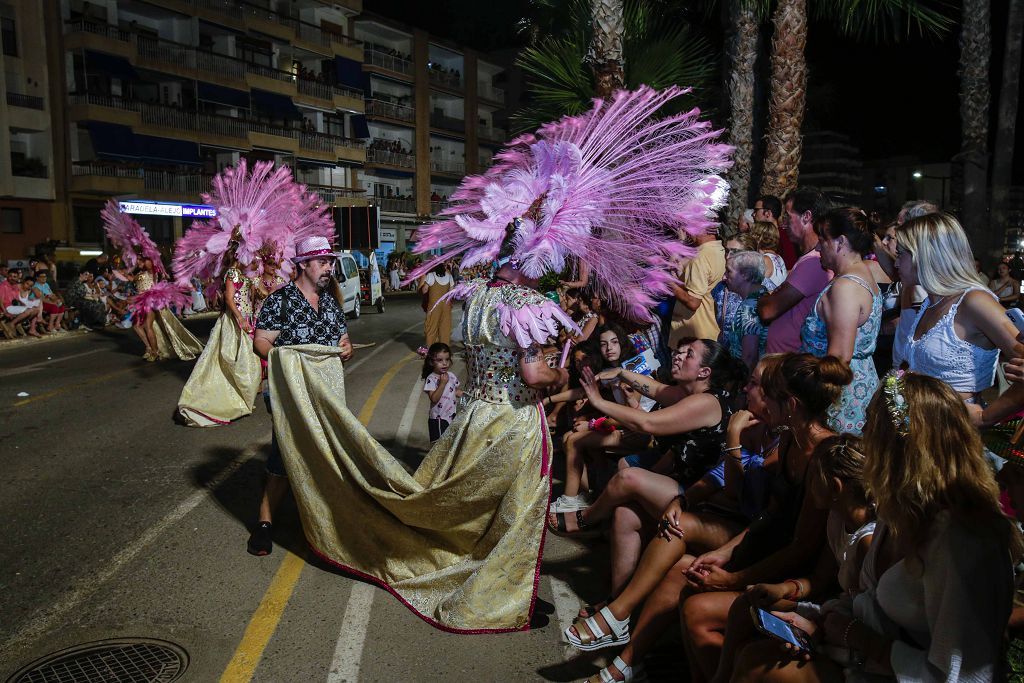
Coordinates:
(918, 175)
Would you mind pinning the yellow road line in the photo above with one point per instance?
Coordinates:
(264, 622)
(69, 387)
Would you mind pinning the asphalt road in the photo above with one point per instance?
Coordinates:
(119, 523)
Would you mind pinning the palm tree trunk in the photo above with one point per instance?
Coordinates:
(742, 54)
(608, 23)
(788, 97)
(1002, 161)
(975, 56)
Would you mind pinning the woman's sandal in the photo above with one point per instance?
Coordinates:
(588, 611)
(589, 636)
(560, 525)
(630, 674)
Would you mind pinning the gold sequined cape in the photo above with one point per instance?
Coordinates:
(225, 381)
(458, 541)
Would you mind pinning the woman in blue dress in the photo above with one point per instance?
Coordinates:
(847, 314)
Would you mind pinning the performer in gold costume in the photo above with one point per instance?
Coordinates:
(459, 541)
(160, 330)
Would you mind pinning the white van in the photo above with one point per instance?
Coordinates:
(347, 273)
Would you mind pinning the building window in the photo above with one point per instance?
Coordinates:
(8, 36)
(88, 225)
(10, 222)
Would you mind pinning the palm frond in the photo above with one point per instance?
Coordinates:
(558, 80)
(887, 19)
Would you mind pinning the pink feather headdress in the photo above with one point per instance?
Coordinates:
(615, 188)
(125, 233)
(261, 214)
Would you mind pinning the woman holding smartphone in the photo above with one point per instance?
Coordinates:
(938, 580)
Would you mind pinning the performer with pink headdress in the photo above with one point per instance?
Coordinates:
(261, 214)
(159, 329)
(459, 541)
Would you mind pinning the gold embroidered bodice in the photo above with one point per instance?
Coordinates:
(144, 281)
(245, 293)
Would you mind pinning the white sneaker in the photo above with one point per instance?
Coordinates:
(570, 503)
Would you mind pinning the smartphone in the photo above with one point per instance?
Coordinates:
(770, 625)
(1016, 316)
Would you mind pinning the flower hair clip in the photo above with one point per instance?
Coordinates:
(896, 402)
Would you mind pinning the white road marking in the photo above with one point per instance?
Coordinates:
(45, 619)
(348, 653)
(36, 366)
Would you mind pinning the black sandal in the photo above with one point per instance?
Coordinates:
(560, 525)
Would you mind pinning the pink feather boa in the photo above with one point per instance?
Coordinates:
(158, 297)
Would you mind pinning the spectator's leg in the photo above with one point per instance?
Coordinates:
(628, 523)
(764, 661)
(704, 617)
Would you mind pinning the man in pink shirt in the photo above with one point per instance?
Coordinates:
(785, 309)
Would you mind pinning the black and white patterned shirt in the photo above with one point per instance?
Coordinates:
(287, 311)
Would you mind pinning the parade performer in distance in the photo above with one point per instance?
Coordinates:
(459, 541)
(159, 329)
(260, 215)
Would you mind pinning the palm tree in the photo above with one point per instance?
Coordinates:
(741, 51)
(975, 95)
(566, 67)
(1002, 154)
(607, 27)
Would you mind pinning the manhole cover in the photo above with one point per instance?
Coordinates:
(128, 660)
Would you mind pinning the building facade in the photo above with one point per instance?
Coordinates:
(151, 98)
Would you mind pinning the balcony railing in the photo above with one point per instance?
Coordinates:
(176, 54)
(489, 133)
(445, 78)
(438, 207)
(319, 142)
(86, 168)
(386, 61)
(395, 205)
(111, 101)
(269, 72)
(16, 99)
(331, 194)
(447, 122)
(390, 110)
(380, 156)
(269, 129)
(84, 26)
(315, 89)
(173, 181)
(454, 167)
(489, 92)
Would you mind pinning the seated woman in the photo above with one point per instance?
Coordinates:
(751, 445)
(600, 434)
(785, 536)
(837, 485)
(938, 579)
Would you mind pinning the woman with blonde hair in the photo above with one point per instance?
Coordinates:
(961, 328)
(763, 237)
(938, 578)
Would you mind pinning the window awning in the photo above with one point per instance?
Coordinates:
(359, 127)
(221, 95)
(167, 150)
(275, 105)
(112, 140)
(349, 72)
(111, 65)
(388, 173)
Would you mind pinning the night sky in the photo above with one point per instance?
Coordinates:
(891, 98)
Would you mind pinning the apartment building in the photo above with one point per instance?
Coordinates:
(27, 189)
(146, 100)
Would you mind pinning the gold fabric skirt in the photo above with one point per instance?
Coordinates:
(459, 541)
(173, 339)
(226, 379)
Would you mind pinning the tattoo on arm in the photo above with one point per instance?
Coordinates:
(641, 386)
(532, 354)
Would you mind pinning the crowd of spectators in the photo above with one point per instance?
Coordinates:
(748, 451)
(391, 146)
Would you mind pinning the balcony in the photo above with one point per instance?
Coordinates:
(28, 167)
(438, 120)
(380, 156)
(331, 194)
(192, 58)
(110, 101)
(106, 179)
(27, 101)
(383, 60)
(390, 110)
(438, 207)
(393, 205)
(105, 30)
(489, 92)
(450, 167)
(489, 133)
(177, 183)
(446, 79)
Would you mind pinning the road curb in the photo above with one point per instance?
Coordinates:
(22, 342)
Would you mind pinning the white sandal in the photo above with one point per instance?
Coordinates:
(597, 639)
(630, 674)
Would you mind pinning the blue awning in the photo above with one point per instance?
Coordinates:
(349, 72)
(167, 150)
(359, 127)
(112, 140)
(275, 105)
(221, 95)
(111, 65)
(388, 173)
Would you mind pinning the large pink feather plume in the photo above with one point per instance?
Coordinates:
(125, 233)
(618, 189)
(161, 295)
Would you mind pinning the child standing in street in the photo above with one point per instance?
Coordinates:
(441, 387)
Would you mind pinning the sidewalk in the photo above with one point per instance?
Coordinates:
(20, 342)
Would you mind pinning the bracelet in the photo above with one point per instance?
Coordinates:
(795, 595)
(847, 631)
(732, 448)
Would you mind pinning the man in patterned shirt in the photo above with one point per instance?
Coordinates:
(305, 311)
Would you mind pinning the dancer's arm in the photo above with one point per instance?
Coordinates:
(535, 371)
